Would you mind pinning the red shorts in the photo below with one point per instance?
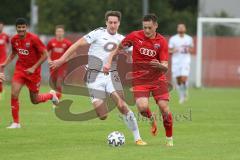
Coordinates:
(159, 90)
(58, 74)
(32, 81)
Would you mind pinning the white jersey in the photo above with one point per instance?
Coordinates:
(181, 44)
(101, 45)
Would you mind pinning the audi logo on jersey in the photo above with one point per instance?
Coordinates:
(148, 52)
(23, 52)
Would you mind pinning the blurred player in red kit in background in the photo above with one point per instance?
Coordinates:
(31, 53)
(56, 47)
(4, 41)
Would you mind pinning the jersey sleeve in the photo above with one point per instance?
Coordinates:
(163, 56)
(49, 46)
(13, 45)
(38, 44)
(92, 36)
(69, 43)
(128, 41)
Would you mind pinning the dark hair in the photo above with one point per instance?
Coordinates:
(21, 21)
(113, 13)
(60, 26)
(181, 23)
(1, 22)
(150, 17)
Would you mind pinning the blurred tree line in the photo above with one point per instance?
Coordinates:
(85, 15)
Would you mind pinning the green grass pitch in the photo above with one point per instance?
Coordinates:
(207, 127)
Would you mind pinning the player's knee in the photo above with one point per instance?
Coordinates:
(34, 101)
(142, 109)
(15, 96)
(164, 109)
(123, 108)
(144, 113)
(121, 105)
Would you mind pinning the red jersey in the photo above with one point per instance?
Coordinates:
(144, 51)
(29, 51)
(4, 40)
(58, 48)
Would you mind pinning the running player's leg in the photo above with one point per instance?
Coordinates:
(184, 79)
(1, 83)
(114, 87)
(1, 90)
(141, 94)
(97, 93)
(128, 116)
(15, 91)
(33, 84)
(161, 96)
(100, 108)
(176, 75)
(180, 88)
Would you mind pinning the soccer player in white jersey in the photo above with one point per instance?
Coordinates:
(102, 41)
(181, 46)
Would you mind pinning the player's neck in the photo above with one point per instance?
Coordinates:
(59, 38)
(153, 36)
(181, 35)
(111, 33)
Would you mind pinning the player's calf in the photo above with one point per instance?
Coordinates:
(100, 108)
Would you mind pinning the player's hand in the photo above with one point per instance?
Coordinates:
(156, 64)
(175, 50)
(55, 64)
(30, 70)
(49, 60)
(2, 77)
(2, 66)
(106, 68)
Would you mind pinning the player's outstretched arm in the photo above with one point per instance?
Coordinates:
(8, 60)
(71, 50)
(107, 66)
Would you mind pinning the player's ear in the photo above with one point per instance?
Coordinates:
(156, 25)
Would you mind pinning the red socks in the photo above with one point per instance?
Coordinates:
(15, 109)
(147, 113)
(168, 123)
(44, 97)
(1, 87)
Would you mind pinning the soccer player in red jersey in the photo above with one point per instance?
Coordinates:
(4, 41)
(56, 48)
(150, 56)
(31, 54)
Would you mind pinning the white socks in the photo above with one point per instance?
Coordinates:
(131, 123)
(182, 91)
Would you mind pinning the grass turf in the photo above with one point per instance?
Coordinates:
(205, 128)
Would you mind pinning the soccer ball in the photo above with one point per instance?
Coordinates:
(116, 139)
